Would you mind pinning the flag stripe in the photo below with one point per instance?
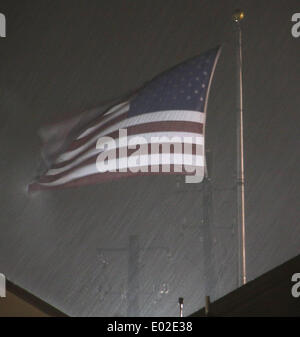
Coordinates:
(125, 163)
(108, 116)
(187, 137)
(107, 177)
(159, 116)
(165, 148)
(136, 129)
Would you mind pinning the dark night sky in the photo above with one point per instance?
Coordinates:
(62, 57)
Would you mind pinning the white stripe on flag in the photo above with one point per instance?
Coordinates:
(159, 116)
(123, 163)
(111, 114)
(168, 137)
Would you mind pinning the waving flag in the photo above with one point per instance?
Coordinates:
(159, 130)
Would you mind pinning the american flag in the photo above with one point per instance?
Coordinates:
(169, 110)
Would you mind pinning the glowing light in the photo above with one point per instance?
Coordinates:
(238, 15)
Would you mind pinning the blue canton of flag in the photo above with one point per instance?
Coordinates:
(182, 88)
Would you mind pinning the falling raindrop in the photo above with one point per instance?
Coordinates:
(102, 258)
(103, 291)
(169, 256)
(123, 294)
(164, 289)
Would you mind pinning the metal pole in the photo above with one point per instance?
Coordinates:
(242, 276)
(209, 272)
(180, 301)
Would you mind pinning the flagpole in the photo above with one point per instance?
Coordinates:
(238, 16)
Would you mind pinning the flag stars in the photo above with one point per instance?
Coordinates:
(184, 87)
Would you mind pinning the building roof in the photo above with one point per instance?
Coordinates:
(268, 295)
